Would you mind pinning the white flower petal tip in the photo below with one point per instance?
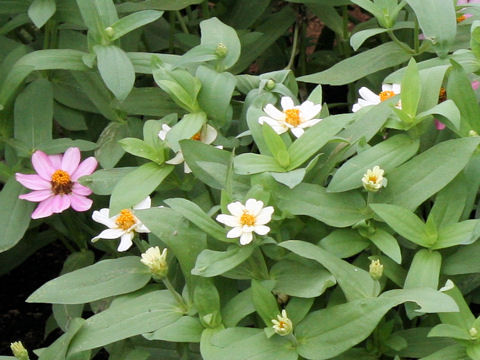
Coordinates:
(293, 117)
(373, 179)
(246, 219)
(368, 97)
(282, 325)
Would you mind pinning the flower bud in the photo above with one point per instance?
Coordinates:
(19, 351)
(109, 31)
(221, 50)
(270, 85)
(282, 325)
(472, 133)
(373, 180)
(376, 269)
(156, 262)
(473, 332)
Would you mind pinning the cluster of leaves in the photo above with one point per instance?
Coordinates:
(108, 75)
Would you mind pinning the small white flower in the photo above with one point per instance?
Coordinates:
(156, 261)
(206, 135)
(247, 219)
(293, 118)
(123, 225)
(370, 98)
(373, 180)
(282, 324)
(375, 269)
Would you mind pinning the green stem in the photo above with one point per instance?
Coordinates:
(205, 10)
(400, 43)
(294, 48)
(171, 37)
(182, 22)
(174, 292)
(416, 40)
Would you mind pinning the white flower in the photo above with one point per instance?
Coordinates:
(156, 261)
(376, 269)
(247, 219)
(123, 225)
(373, 180)
(206, 135)
(295, 118)
(370, 98)
(282, 325)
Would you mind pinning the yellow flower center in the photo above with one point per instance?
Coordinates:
(442, 95)
(247, 219)
(384, 95)
(125, 220)
(197, 136)
(293, 117)
(61, 183)
(461, 18)
(373, 178)
(281, 324)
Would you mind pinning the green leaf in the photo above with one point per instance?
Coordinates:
(34, 113)
(140, 148)
(356, 283)
(185, 129)
(207, 302)
(57, 146)
(359, 66)
(98, 281)
(411, 89)
(14, 214)
(264, 301)
(344, 243)
(452, 352)
(448, 113)
(463, 319)
(237, 308)
(433, 169)
(130, 315)
(301, 279)
(315, 138)
(359, 37)
(156, 5)
(102, 182)
(463, 233)
(314, 201)
(41, 10)
(116, 70)
(185, 329)
(133, 21)
(463, 261)
(58, 350)
(403, 221)
(137, 185)
(208, 164)
(424, 270)
(329, 16)
(451, 331)
(387, 154)
(248, 164)
(387, 244)
(212, 263)
(437, 20)
(276, 145)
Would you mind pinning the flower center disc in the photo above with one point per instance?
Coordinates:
(247, 219)
(61, 183)
(461, 18)
(197, 136)
(442, 95)
(372, 178)
(125, 220)
(384, 95)
(292, 117)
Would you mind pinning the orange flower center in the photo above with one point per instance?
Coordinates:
(373, 178)
(125, 220)
(61, 183)
(247, 218)
(281, 324)
(442, 95)
(197, 136)
(461, 18)
(384, 95)
(293, 117)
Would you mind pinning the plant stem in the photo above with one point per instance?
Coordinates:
(174, 292)
(416, 40)
(182, 22)
(171, 38)
(294, 48)
(400, 43)
(205, 10)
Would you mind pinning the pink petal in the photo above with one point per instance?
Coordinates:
(37, 195)
(70, 160)
(33, 181)
(80, 203)
(81, 190)
(475, 84)
(439, 125)
(86, 167)
(42, 165)
(56, 161)
(60, 203)
(43, 209)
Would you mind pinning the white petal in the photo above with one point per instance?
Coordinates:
(236, 208)
(235, 232)
(126, 241)
(356, 107)
(144, 204)
(140, 228)
(209, 135)
(287, 103)
(262, 230)
(369, 96)
(309, 123)
(308, 110)
(162, 134)
(228, 220)
(273, 112)
(109, 234)
(186, 168)
(297, 131)
(264, 216)
(254, 206)
(246, 238)
(103, 218)
(387, 87)
(177, 159)
(396, 88)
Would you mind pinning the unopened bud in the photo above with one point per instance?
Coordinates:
(472, 133)
(156, 262)
(373, 180)
(473, 332)
(221, 50)
(282, 325)
(270, 85)
(376, 269)
(19, 351)
(109, 31)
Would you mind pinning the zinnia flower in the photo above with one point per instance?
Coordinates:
(55, 184)
(282, 324)
(206, 135)
(370, 98)
(156, 261)
(373, 180)
(123, 225)
(293, 118)
(246, 219)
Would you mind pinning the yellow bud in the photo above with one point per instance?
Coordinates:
(156, 262)
(270, 85)
(109, 31)
(376, 269)
(472, 133)
(221, 50)
(282, 325)
(473, 332)
(19, 351)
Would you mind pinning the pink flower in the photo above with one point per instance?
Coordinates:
(439, 125)
(55, 185)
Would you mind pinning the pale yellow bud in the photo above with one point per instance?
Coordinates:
(221, 50)
(156, 262)
(373, 180)
(270, 85)
(19, 351)
(109, 31)
(376, 269)
(472, 133)
(473, 332)
(282, 325)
